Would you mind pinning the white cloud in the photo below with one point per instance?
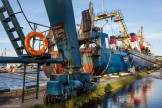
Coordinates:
(153, 35)
(4, 40)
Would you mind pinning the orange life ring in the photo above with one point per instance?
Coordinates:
(30, 49)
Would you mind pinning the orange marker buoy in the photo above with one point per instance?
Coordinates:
(30, 49)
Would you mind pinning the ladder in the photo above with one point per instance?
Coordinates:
(30, 88)
(11, 18)
(10, 30)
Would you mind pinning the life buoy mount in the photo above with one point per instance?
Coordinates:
(28, 47)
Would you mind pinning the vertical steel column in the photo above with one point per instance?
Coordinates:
(61, 17)
(37, 90)
(35, 29)
(24, 83)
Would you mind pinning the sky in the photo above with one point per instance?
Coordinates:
(137, 13)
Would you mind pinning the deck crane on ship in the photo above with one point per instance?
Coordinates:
(130, 40)
(117, 15)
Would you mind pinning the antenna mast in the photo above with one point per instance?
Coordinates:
(5, 52)
(103, 4)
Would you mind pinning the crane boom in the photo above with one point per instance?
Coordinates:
(119, 19)
(61, 17)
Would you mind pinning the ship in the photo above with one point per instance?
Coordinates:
(134, 54)
(19, 67)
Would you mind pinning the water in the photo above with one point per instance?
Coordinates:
(144, 93)
(3, 64)
(13, 81)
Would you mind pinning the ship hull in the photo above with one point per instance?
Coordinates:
(109, 62)
(142, 61)
(114, 61)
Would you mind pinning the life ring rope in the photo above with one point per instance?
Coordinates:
(28, 47)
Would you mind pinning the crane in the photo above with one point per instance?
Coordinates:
(62, 24)
(119, 19)
(140, 36)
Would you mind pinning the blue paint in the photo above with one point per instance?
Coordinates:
(61, 12)
(116, 63)
(54, 88)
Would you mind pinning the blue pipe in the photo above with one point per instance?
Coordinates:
(28, 60)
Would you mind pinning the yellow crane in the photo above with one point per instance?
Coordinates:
(140, 36)
(119, 19)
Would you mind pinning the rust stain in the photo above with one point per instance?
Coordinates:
(53, 68)
(57, 68)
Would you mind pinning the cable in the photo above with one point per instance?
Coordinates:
(24, 14)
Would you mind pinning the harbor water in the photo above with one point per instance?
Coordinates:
(12, 81)
(143, 93)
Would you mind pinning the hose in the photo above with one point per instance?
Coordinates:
(24, 14)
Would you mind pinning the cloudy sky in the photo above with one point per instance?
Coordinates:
(137, 13)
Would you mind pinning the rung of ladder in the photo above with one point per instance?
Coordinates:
(8, 19)
(15, 13)
(20, 48)
(31, 90)
(30, 98)
(31, 73)
(12, 29)
(15, 39)
(31, 86)
(2, 9)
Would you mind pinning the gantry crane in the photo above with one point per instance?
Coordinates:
(119, 18)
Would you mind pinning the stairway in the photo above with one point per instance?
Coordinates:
(6, 8)
(30, 88)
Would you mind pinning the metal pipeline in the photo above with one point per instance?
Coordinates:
(29, 60)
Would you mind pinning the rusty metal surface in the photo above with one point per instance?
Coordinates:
(53, 68)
